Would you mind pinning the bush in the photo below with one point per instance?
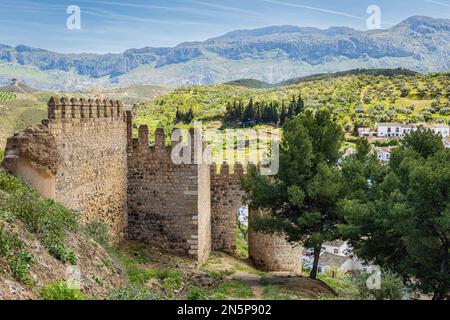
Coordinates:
(59, 290)
(392, 287)
(51, 222)
(61, 253)
(386, 143)
(9, 183)
(20, 270)
(98, 231)
(12, 249)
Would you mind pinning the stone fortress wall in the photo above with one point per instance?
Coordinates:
(226, 200)
(168, 204)
(87, 167)
(84, 156)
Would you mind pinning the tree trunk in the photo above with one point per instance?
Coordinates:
(315, 267)
(442, 289)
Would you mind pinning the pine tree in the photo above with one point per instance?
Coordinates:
(303, 197)
(283, 115)
(299, 105)
(249, 113)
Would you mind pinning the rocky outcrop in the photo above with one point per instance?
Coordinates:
(37, 145)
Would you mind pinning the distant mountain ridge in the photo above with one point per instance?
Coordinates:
(271, 54)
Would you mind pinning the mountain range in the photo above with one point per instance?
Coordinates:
(272, 54)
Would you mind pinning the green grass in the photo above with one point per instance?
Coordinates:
(220, 273)
(362, 99)
(138, 276)
(233, 289)
(98, 231)
(246, 268)
(7, 96)
(60, 291)
(242, 242)
(171, 280)
(275, 292)
(18, 258)
(197, 293)
(49, 221)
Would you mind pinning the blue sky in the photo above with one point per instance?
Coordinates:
(114, 26)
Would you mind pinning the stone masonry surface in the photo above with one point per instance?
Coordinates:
(226, 200)
(84, 157)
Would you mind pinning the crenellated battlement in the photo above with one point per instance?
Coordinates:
(62, 108)
(225, 170)
(84, 156)
(194, 144)
(143, 139)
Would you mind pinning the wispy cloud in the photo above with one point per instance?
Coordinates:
(438, 3)
(296, 5)
(224, 7)
(324, 10)
(30, 7)
(207, 13)
(108, 14)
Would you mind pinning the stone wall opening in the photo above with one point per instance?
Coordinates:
(242, 232)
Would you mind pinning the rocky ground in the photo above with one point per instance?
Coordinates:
(96, 270)
(222, 277)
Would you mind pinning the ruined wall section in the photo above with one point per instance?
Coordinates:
(272, 252)
(226, 200)
(168, 204)
(78, 158)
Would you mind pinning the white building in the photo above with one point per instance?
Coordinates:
(390, 130)
(398, 130)
(447, 142)
(442, 129)
(338, 247)
(365, 132)
(384, 154)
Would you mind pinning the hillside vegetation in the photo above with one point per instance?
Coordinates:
(21, 106)
(43, 248)
(46, 254)
(360, 99)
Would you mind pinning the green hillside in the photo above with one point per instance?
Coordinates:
(23, 105)
(358, 99)
(6, 96)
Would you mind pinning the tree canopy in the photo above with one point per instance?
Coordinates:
(302, 198)
(398, 217)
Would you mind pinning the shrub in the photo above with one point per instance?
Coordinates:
(51, 222)
(20, 270)
(98, 231)
(9, 183)
(59, 290)
(19, 260)
(61, 253)
(392, 287)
